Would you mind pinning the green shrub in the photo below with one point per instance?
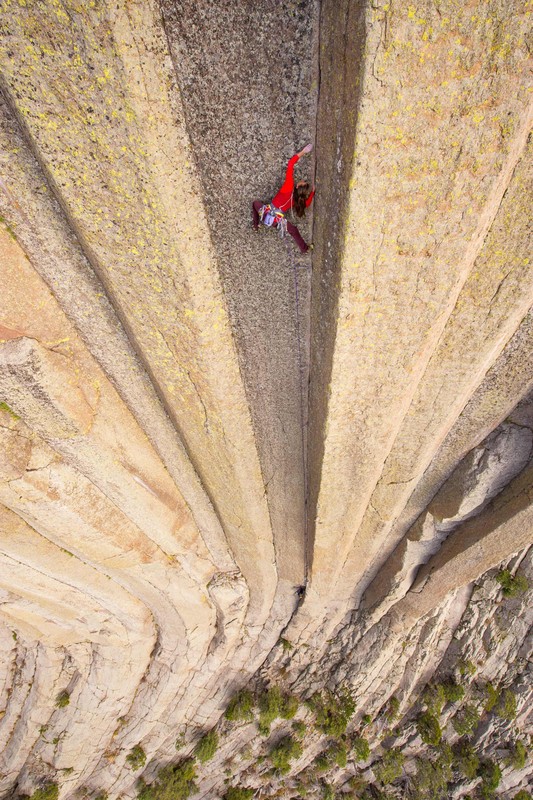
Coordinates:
(328, 792)
(517, 755)
(429, 729)
(238, 793)
(366, 720)
(136, 758)
(434, 698)
(50, 791)
(272, 704)
(269, 709)
(240, 708)
(466, 720)
(390, 767)
(393, 708)
(512, 585)
(289, 706)
(299, 728)
(339, 754)
(490, 774)
(361, 748)
(452, 691)
(506, 705)
(286, 644)
(206, 747)
(492, 696)
(466, 760)
(466, 667)
(283, 752)
(174, 782)
(322, 762)
(332, 713)
(522, 795)
(431, 779)
(62, 699)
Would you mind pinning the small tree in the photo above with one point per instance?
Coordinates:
(390, 767)
(393, 708)
(332, 712)
(238, 793)
(431, 779)
(339, 754)
(240, 708)
(452, 691)
(207, 747)
(283, 752)
(490, 774)
(522, 795)
(361, 748)
(466, 760)
(136, 758)
(517, 755)
(434, 697)
(466, 720)
(174, 782)
(512, 585)
(506, 705)
(429, 729)
(50, 791)
(62, 699)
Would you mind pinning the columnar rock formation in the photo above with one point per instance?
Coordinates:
(206, 444)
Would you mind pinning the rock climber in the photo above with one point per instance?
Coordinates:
(290, 197)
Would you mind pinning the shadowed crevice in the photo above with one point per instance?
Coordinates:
(342, 43)
(247, 77)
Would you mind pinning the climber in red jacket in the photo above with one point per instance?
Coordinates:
(290, 197)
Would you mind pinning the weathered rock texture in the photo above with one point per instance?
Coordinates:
(217, 465)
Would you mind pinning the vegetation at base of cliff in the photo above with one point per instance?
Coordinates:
(50, 791)
(517, 755)
(284, 752)
(390, 767)
(332, 712)
(466, 760)
(428, 728)
(136, 758)
(273, 704)
(206, 747)
(501, 702)
(431, 779)
(62, 699)
(512, 585)
(240, 708)
(237, 793)
(393, 708)
(174, 782)
(466, 720)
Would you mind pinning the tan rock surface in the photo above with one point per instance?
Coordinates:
(177, 517)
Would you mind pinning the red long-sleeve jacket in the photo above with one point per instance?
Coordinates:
(283, 199)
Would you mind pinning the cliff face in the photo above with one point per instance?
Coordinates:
(223, 462)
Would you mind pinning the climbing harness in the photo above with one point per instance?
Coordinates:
(272, 217)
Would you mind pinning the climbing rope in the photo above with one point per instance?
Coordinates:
(294, 270)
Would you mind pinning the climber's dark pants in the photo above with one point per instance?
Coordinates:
(292, 229)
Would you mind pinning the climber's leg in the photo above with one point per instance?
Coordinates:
(256, 207)
(295, 233)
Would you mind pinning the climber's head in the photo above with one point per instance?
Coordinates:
(301, 192)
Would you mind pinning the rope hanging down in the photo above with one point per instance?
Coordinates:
(302, 407)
